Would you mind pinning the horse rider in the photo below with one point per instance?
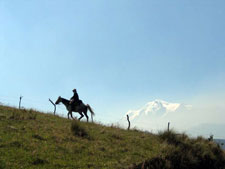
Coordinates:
(75, 99)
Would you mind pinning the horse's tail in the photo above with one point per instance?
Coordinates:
(90, 109)
(92, 112)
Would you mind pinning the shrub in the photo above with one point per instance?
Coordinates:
(78, 129)
(184, 153)
(173, 138)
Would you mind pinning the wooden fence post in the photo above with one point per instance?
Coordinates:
(168, 129)
(128, 122)
(20, 101)
(210, 138)
(53, 105)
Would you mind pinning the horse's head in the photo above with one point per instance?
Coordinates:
(58, 100)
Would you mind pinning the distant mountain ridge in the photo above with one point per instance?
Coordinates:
(207, 129)
(221, 143)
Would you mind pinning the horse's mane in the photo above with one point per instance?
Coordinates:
(65, 100)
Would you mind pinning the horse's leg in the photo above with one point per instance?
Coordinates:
(71, 114)
(68, 115)
(81, 116)
(85, 113)
(69, 111)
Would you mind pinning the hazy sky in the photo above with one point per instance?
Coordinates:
(118, 54)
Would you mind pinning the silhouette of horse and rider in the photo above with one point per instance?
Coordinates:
(75, 105)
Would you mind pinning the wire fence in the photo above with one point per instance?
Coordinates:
(28, 103)
(43, 105)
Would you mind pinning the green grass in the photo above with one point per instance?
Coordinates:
(31, 139)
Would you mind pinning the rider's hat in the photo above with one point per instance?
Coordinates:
(74, 90)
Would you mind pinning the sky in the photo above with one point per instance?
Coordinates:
(119, 55)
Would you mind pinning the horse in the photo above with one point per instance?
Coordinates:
(82, 108)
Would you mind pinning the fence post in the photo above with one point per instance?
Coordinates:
(20, 101)
(210, 138)
(53, 105)
(128, 122)
(168, 129)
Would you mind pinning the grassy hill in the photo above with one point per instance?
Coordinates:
(31, 139)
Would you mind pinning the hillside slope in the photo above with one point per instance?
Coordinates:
(30, 139)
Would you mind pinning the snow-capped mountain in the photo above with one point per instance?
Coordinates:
(154, 114)
(157, 108)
